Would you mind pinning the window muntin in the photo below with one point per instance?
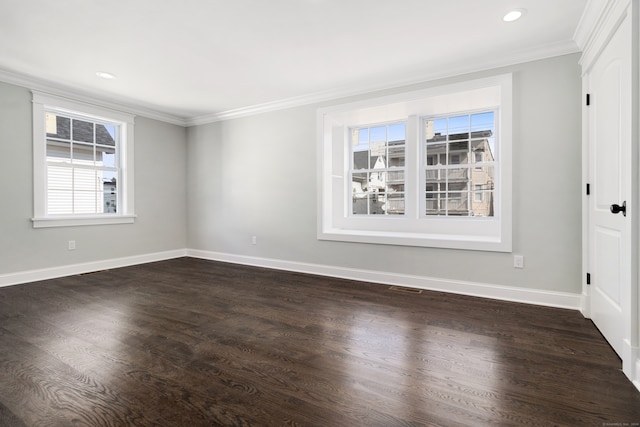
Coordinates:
(377, 169)
(82, 164)
(459, 164)
(487, 230)
(83, 159)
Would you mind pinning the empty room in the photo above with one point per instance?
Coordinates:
(320, 213)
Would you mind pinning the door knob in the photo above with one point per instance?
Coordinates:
(615, 208)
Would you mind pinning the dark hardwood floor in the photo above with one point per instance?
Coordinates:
(189, 342)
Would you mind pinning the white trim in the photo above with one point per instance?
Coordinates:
(48, 222)
(42, 102)
(592, 14)
(490, 63)
(413, 229)
(636, 378)
(483, 290)
(631, 362)
(136, 108)
(611, 17)
(88, 267)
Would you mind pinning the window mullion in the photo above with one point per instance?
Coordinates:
(413, 174)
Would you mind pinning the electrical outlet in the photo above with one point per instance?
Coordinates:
(518, 261)
(72, 245)
(254, 240)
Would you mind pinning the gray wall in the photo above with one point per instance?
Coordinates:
(160, 197)
(257, 176)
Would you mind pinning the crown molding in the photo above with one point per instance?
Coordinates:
(477, 65)
(592, 14)
(87, 97)
(600, 20)
(519, 57)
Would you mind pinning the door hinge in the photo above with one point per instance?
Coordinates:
(588, 189)
(588, 278)
(588, 99)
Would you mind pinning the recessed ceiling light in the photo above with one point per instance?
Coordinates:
(105, 75)
(513, 15)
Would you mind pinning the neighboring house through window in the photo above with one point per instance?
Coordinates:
(424, 168)
(83, 161)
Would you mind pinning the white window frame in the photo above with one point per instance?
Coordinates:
(413, 229)
(42, 103)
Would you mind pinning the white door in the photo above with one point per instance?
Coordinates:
(610, 163)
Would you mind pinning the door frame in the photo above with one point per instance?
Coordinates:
(604, 24)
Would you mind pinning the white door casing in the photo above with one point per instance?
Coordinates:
(611, 238)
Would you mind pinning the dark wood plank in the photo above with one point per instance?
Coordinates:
(193, 342)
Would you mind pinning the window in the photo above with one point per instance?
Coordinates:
(425, 168)
(377, 169)
(448, 186)
(82, 164)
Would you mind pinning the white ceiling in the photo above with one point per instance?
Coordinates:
(194, 59)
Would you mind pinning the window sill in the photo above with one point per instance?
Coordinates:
(448, 241)
(68, 221)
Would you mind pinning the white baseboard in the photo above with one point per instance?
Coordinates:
(506, 293)
(636, 379)
(73, 269)
(631, 366)
(484, 290)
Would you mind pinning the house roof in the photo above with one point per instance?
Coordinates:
(82, 131)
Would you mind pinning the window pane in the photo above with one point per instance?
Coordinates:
(483, 177)
(378, 134)
(360, 139)
(458, 128)
(82, 154)
(57, 126)
(483, 124)
(483, 204)
(435, 130)
(397, 132)
(359, 183)
(105, 135)
(82, 131)
(381, 151)
(360, 205)
(377, 181)
(458, 186)
(84, 202)
(435, 203)
(482, 150)
(459, 153)
(395, 188)
(58, 151)
(457, 204)
(110, 200)
(59, 178)
(376, 203)
(377, 161)
(396, 155)
(395, 177)
(108, 176)
(457, 174)
(395, 204)
(59, 202)
(482, 180)
(85, 180)
(106, 156)
(360, 160)
(436, 154)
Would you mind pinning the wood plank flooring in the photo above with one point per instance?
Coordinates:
(188, 342)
